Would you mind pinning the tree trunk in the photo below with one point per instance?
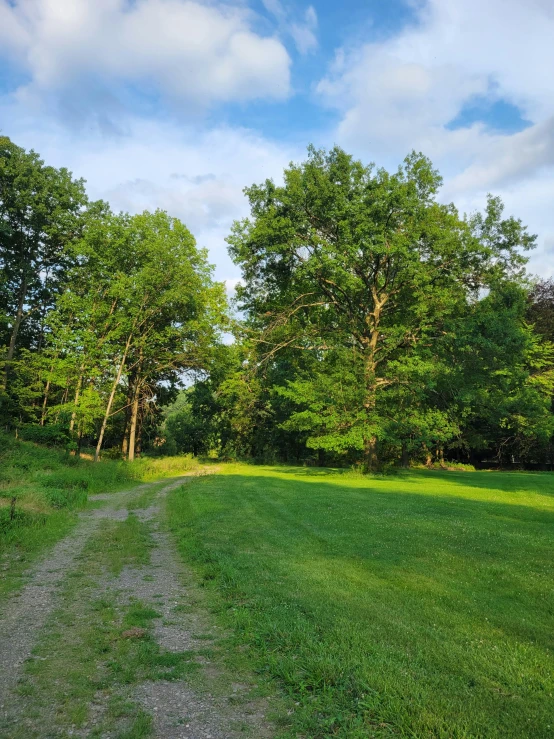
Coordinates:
(137, 384)
(428, 457)
(140, 427)
(15, 329)
(45, 402)
(111, 399)
(134, 418)
(76, 400)
(370, 455)
(405, 455)
(125, 440)
(372, 340)
(79, 441)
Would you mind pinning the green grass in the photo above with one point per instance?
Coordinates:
(417, 605)
(121, 544)
(49, 487)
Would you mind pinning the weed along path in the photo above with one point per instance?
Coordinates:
(109, 638)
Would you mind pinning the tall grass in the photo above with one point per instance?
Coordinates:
(154, 468)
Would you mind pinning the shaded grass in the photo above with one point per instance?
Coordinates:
(417, 605)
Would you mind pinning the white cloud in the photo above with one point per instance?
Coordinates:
(276, 8)
(184, 50)
(401, 93)
(232, 284)
(196, 175)
(529, 199)
(510, 158)
(303, 32)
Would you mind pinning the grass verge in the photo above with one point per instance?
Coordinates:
(417, 605)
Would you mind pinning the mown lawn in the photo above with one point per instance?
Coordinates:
(415, 605)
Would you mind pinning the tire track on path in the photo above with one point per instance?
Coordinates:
(26, 611)
(71, 667)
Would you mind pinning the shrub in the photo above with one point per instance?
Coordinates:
(47, 435)
(68, 498)
(21, 518)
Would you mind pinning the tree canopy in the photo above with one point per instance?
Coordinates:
(377, 325)
(368, 273)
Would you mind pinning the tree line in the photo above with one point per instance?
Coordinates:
(375, 325)
(102, 314)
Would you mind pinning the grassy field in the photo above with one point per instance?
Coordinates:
(416, 605)
(48, 487)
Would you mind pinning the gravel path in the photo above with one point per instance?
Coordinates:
(26, 612)
(178, 711)
(213, 706)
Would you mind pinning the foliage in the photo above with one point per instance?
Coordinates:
(104, 314)
(41, 213)
(390, 294)
(53, 435)
(378, 326)
(541, 308)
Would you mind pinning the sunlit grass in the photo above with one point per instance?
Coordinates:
(415, 605)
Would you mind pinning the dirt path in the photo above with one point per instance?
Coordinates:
(109, 639)
(27, 611)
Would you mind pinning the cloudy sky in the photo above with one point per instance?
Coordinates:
(179, 104)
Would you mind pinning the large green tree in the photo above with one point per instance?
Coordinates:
(140, 310)
(366, 270)
(41, 213)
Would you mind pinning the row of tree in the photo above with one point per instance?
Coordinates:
(377, 326)
(381, 327)
(101, 314)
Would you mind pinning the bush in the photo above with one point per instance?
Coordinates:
(46, 435)
(21, 518)
(111, 453)
(68, 498)
(70, 479)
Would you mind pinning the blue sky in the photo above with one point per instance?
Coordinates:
(179, 104)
